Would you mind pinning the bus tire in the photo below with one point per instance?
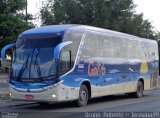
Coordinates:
(139, 90)
(83, 96)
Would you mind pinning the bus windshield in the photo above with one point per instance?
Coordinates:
(33, 58)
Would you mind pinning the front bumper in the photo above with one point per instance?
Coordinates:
(52, 93)
(46, 95)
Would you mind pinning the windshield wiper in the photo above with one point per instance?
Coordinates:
(25, 64)
(38, 68)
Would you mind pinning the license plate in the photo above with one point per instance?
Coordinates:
(29, 97)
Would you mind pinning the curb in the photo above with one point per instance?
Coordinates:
(5, 97)
(4, 91)
(4, 94)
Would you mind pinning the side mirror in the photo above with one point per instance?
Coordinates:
(5, 48)
(58, 49)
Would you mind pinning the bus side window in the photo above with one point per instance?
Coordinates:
(153, 51)
(65, 62)
(101, 46)
(91, 46)
(86, 50)
(108, 47)
(141, 50)
(132, 50)
(123, 48)
(95, 47)
(117, 47)
(75, 37)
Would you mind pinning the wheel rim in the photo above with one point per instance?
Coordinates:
(83, 96)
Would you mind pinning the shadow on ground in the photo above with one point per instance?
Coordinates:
(63, 105)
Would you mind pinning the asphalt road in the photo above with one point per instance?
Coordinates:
(4, 85)
(98, 107)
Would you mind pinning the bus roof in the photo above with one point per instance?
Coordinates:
(53, 30)
(50, 30)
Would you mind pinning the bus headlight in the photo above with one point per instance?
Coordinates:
(53, 95)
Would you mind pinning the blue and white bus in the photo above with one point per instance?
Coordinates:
(77, 62)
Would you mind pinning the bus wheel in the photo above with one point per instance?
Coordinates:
(139, 90)
(83, 96)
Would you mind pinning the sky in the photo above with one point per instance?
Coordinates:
(34, 8)
(150, 9)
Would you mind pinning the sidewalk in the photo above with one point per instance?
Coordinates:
(3, 77)
(4, 90)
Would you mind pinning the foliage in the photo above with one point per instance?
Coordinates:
(116, 15)
(12, 20)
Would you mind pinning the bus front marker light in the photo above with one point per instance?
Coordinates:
(61, 82)
(55, 85)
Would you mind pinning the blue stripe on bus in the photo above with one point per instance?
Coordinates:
(115, 74)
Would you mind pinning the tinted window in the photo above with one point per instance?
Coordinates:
(92, 46)
(102, 51)
(96, 45)
(141, 50)
(117, 48)
(24, 42)
(108, 46)
(132, 49)
(75, 37)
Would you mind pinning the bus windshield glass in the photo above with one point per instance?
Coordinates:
(34, 58)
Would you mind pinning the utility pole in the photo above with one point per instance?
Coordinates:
(26, 12)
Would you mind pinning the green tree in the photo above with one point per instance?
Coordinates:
(116, 15)
(12, 20)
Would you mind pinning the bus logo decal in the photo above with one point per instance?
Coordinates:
(36, 51)
(95, 69)
(144, 67)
